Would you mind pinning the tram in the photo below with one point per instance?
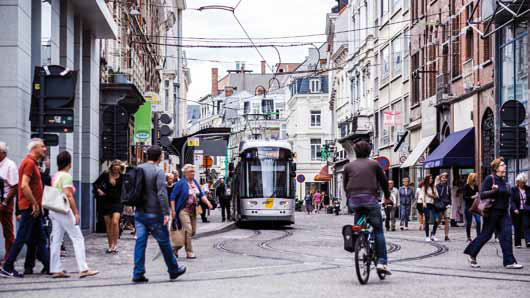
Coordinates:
(263, 184)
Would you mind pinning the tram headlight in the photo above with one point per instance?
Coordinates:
(252, 203)
(284, 203)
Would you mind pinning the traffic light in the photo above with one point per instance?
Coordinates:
(163, 131)
(52, 100)
(513, 142)
(115, 133)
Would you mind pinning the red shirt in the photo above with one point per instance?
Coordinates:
(29, 168)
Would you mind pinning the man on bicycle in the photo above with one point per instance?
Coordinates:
(362, 179)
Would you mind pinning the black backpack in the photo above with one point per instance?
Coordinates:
(132, 193)
(2, 185)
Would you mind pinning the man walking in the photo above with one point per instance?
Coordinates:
(444, 194)
(406, 197)
(31, 227)
(8, 182)
(152, 217)
(391, 207)
(224, 201)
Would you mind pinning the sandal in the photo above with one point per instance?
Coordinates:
(87, 273)
(60, 275)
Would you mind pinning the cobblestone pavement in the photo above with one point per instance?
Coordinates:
(305, 260)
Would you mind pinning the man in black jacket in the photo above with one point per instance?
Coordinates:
(224, 201)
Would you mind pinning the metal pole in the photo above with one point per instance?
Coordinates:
(41, 104)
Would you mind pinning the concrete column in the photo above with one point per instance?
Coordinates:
(78, 112)
(90, 125)
(15, 75)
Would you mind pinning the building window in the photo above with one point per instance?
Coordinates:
(406, 110)
(469, 44)
(415, 96)
(315, 118)
(283, 132)
(314, 85)
(267, 106)
(385, 130)
(315, 149)
(396, 57)
(406, 5)
(487, 48)
(457, 63)
(384, 7)
(255, 108)
(406, 54)
(396, 4)
(385, 65)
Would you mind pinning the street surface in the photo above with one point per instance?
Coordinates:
(305, 260)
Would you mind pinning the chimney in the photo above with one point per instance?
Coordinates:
(229, 91)
(215, 82)
(263, 67)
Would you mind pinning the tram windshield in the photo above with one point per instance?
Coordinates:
(266, 173)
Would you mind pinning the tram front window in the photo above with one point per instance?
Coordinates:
(266, 175)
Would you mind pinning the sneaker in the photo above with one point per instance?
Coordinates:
(7, 274)
(473, 262)
(383, 269)
(88, 273)
(140, 279)
(514, 266)
(433, 238)
(181, 270)
(428, 239)
(447, 238)
(406, 228)
(401, 228)
(528, 245)
(518, 246)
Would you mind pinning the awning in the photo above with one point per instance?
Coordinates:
(323, 175)
(418, 151)
(457, 150)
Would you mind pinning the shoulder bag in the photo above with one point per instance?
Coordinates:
(481, 206)
(55, 200)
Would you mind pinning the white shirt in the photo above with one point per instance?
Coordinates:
(8, 172)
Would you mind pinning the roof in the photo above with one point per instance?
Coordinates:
(260, 143)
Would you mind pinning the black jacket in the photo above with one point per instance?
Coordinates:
(501, 195)
(469, 192)
(516, 199)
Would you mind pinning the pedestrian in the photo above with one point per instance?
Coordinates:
(456, 203)
(326, 201)
(68, 222)
(362, 179)
(170, 183)
(521, 210)
(406, 197)
(175, 175)
(419, 205)
(184, 207)
(152, 218)
(391, 207)
(204, 209)
(31, 226)
(317, 198)
(444, 195)
(308, 203)
(496, 219)
(470, 190)
(108, 188)
(224, 201)
(8, 191)
(429, 195)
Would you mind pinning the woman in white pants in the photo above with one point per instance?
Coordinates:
(68, 223)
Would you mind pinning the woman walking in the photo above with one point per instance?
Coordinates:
(497, 219)
(68, 223)
(170, 181)
(108, 188)
(471, 189)
(419, 205)
(308, 203)
(317, 197)
(521, 210)
(184, 204)
(429, 195)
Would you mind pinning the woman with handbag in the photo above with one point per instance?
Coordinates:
(470, 190)
(521, 210)
(496, 218)
(66, 222)
(419, 205)
(108, 190)
(430, 195)
(185, 207)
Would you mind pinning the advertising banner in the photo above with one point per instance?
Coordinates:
(143, 124)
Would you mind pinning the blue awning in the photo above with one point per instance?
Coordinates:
(457, 150)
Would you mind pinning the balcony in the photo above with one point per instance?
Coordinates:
(443, 92)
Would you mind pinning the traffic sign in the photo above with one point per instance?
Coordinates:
(383, 162)
(513, 113)
(300, 178)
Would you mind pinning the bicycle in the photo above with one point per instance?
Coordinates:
(365, 253)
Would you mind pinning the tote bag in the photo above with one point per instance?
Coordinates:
(55, 200)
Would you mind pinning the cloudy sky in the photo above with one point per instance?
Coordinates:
(261, 18)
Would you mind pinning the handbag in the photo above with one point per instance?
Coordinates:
(481, 206)
(198, 210)
(55, 200)
(439, 205)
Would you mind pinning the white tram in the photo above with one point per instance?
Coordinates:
(263, 184)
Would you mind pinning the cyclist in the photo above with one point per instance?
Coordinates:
(362, 179)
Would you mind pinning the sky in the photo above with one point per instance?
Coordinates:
(261, 18)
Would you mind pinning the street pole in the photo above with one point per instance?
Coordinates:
(41, 104)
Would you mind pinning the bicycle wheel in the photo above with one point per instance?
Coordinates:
(362, 259)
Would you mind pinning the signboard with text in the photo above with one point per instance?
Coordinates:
(392, 118)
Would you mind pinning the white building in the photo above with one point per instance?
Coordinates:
(309, 120)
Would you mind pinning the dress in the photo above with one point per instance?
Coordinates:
(111, 201)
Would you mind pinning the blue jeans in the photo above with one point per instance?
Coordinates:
(404, 214)
(469, 220)
(374, 218)
(153, 224)
(496, 221)
(428, 210)
(30, 232)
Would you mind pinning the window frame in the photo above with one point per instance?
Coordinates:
(315, 148)
(315, 83)
(315, 119)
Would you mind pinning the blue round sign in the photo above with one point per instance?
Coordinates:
(300, 178)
